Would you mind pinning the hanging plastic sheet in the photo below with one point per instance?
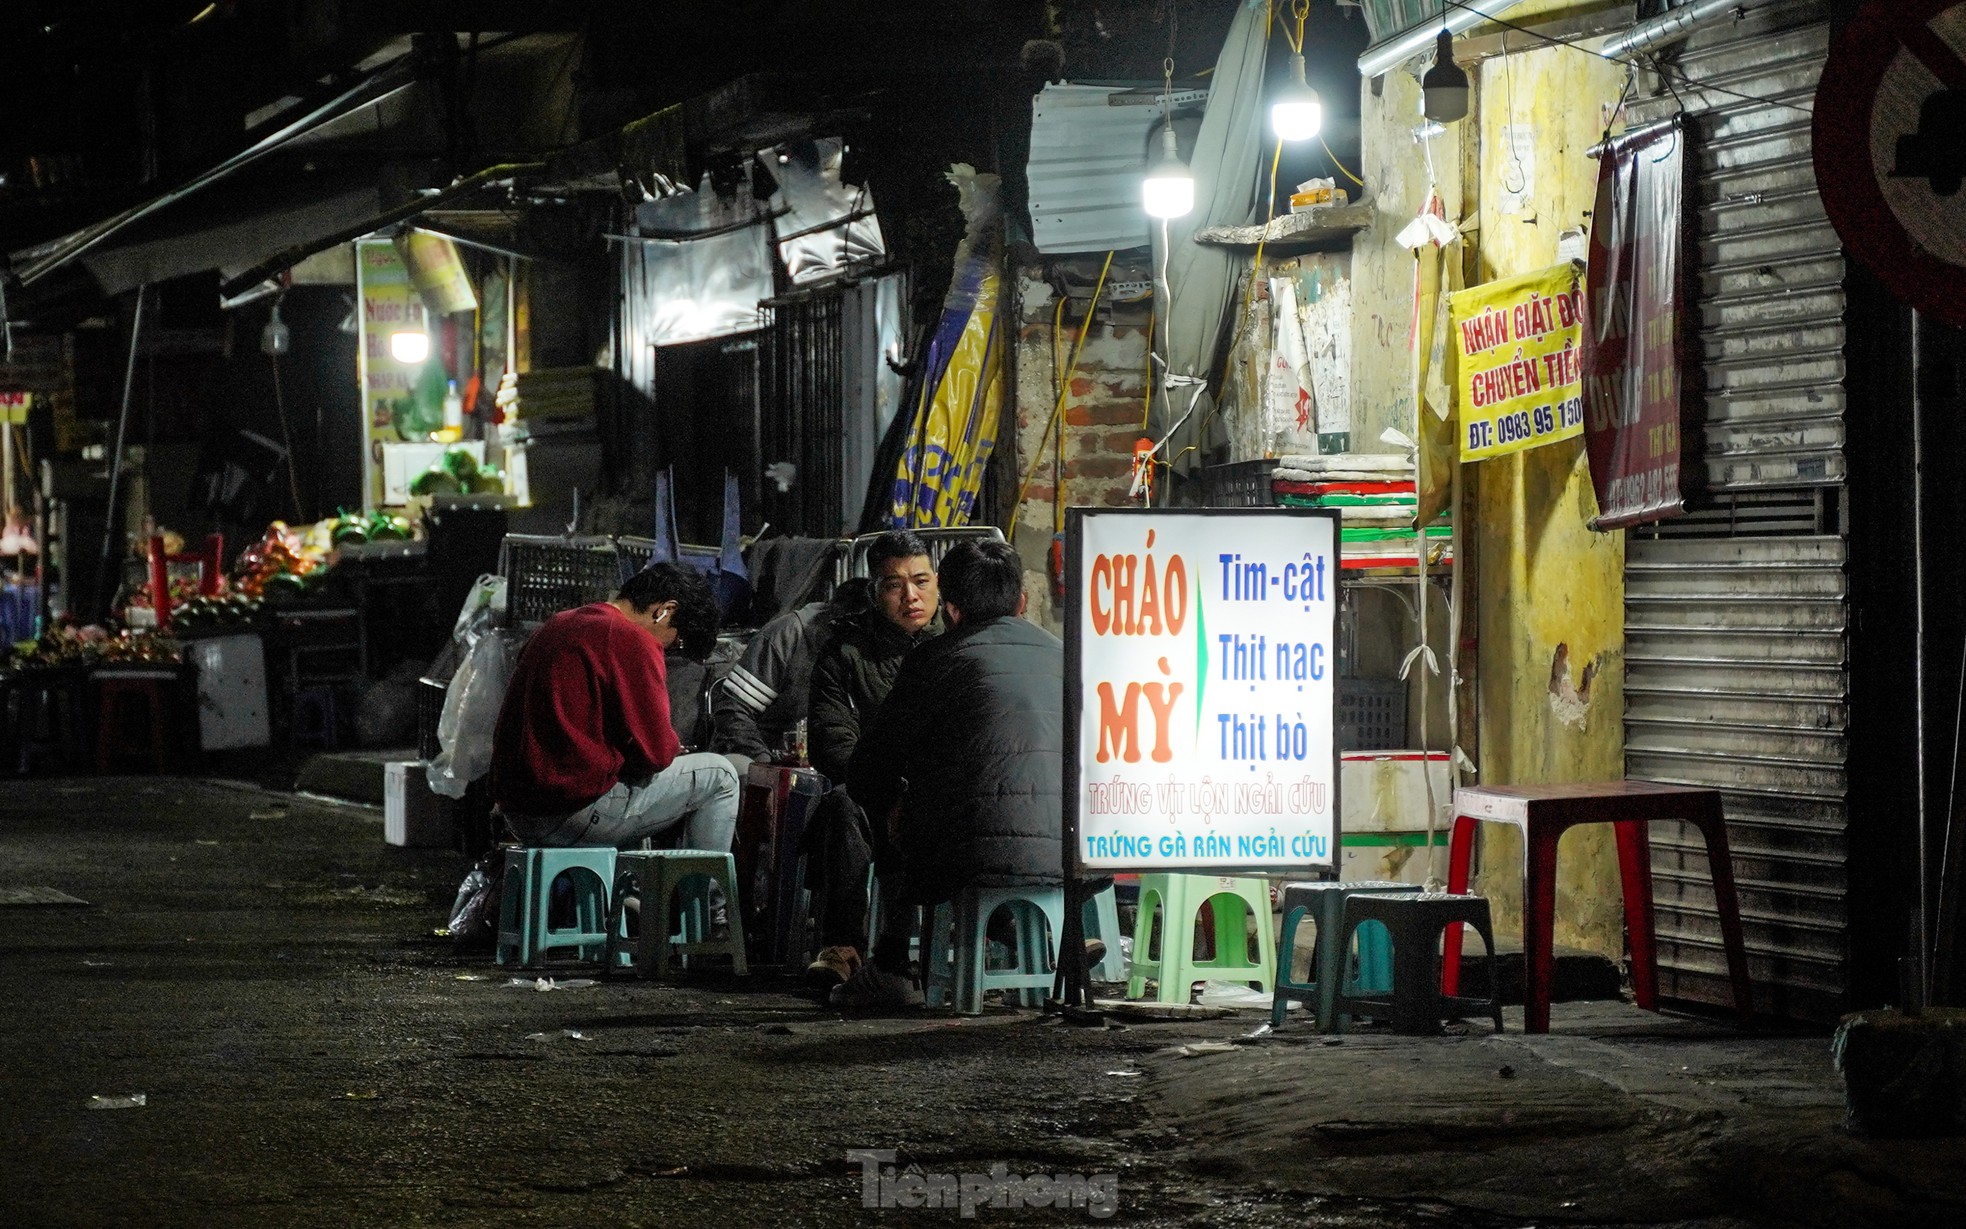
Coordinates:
(701, 264)
(955, 423)
(824, 227)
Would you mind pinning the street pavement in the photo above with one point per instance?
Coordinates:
(265, 972)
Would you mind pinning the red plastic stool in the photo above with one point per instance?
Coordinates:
(1543, 813)
(123, 698)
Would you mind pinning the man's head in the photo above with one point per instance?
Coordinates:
(904, 580)
(675, 603)
(982, 580)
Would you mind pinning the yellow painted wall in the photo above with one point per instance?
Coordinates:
(1550, 591)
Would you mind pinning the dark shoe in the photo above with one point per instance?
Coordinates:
(872, 988)
(832, 966)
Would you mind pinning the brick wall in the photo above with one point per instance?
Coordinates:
(1102, 413)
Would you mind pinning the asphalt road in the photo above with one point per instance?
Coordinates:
(263, 970)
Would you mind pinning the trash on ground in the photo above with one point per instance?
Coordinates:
(204, 842)
(126, 1101)
(1232, 995)
(1195, 1049)
(1259, 1033)
(270, 813)
(1126, 1073)
(544, 984)
(371, 1095)
(473, 977)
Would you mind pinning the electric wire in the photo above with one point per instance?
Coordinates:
(1634, 62)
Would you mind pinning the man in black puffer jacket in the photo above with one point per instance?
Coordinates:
(964, 762)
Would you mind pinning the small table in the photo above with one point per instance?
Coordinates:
(1543, 813)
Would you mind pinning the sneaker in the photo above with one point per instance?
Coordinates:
(832, 966)
(872, 988)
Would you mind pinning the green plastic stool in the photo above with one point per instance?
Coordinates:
(957, 969)
(524, 936)
(659, 877)
(1370, 971)
(1179, 899)
(1101, 920)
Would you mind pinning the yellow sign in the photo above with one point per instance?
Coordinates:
(1519, 346)
(13, 408)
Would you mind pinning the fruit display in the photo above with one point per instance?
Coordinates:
(280, 560)
(67, 644)
(355, 529)
(458, 473)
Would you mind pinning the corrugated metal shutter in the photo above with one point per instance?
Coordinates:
(1736, 652)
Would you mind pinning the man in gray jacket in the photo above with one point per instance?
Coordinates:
(963, 763)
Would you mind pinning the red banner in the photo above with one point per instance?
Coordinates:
(1631, 339)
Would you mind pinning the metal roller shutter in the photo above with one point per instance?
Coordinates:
(1736, 614)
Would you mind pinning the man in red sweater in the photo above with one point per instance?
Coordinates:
(584, 753)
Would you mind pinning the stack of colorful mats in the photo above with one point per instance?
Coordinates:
(1375, 494)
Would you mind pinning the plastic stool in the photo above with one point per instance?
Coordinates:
(1370, 972)
(122, 697)
(874, 914)
(1180, 899)
(1101, 918)
(1416, 1003)
(659, 878)
(956, 965)
(524, 931)
(311, 719)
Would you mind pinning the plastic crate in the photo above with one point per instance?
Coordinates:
(1239, 484)
(1371, 714)
(545, 575)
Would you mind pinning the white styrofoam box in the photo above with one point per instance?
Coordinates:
(1385, 791)
(231, 692)
(1399, 856)
(412, 816)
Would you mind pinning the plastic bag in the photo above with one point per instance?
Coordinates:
(464, 731)
(474, 914)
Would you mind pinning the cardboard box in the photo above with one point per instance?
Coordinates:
(412, 816)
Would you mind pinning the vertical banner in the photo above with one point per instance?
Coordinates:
(390, 304)
(1518, 346)
(940, 475)
(1201, 690)
(1631, 345)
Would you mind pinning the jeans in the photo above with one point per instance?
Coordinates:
(701, 788)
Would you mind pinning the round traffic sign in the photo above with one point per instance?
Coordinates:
(1890, 148)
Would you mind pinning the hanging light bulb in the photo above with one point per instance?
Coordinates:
(1297, 112)
(409, 346)
(1169, 189)
(276, 338)
(1444, 90)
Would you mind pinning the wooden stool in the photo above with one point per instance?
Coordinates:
(1544, 813)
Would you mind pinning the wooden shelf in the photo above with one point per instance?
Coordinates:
(1319, 224)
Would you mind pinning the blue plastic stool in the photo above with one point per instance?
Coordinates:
(956, 966)
(664, 879)
(525, 899)
(1101, 919)
(1371, 972)
(1178, 900)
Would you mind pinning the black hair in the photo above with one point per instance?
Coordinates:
(894, 544)
(696, 606)
(983, 580)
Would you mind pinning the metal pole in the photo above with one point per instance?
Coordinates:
(111, 531)
(1923, 993)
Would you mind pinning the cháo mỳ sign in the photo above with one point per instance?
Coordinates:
(1519, 346)
(1203, 686)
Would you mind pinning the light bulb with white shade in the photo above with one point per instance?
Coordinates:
(1297, 112)
(409, 346)
(1168, 191)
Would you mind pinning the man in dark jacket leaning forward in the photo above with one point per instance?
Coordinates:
(963, 762)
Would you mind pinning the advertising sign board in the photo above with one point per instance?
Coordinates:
(1201, 683)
